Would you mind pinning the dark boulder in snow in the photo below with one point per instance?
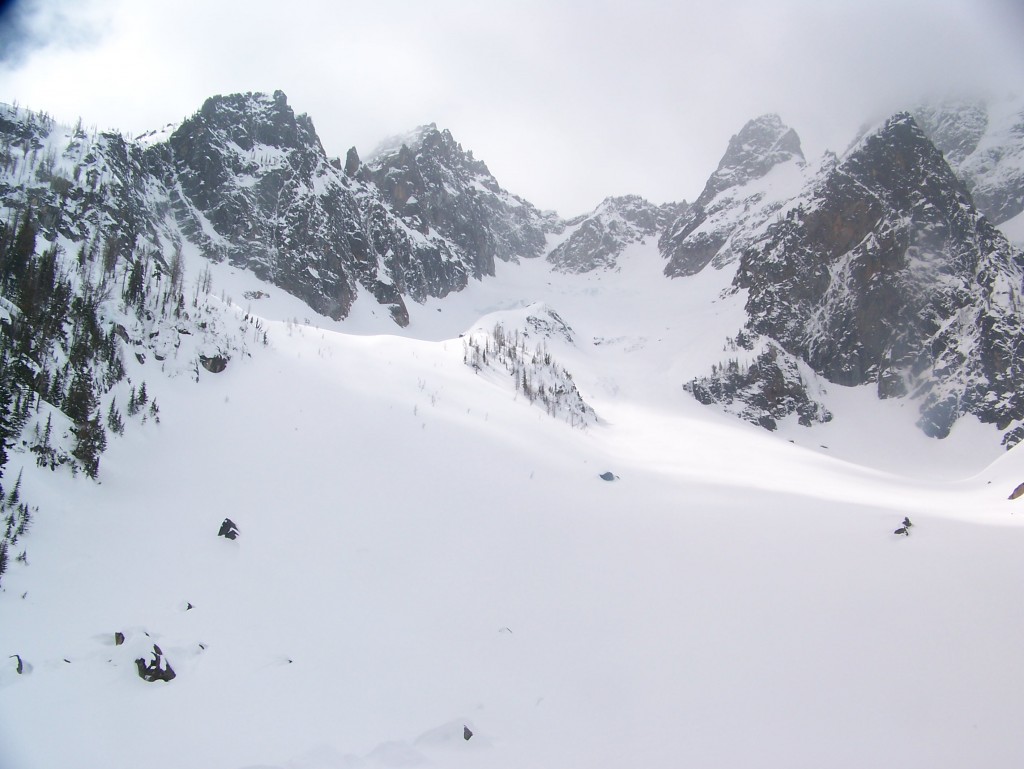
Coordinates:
(157, 669)
(118, 638)
(466, 733)
(1017, 492)
(214, 364)
(228, 529)
(608, 475)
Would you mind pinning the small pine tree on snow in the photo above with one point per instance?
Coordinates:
(114, 421)
(80, 399)
(133, 403)
(92, 441)
(24, 518)
(142, 397)
(15, 496)
(43, 449)
(154, 411)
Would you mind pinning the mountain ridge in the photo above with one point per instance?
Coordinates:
(246, 181)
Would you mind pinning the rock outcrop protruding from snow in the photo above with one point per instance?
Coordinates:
(228, 529)
(763, 392)
(215, 364)
(597, 239)
(534, 372)
(737, 200)
(885, 273)
(157, 669)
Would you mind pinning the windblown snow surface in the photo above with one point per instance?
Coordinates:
(422, 550)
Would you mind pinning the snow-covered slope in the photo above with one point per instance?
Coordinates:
(501, 533)
(423, 551)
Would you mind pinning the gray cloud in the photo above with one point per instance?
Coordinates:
(29, 27)
(15, 36)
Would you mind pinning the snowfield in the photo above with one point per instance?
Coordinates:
(423, 551)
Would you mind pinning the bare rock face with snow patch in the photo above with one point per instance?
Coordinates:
(884, 272)
(598, 238)
(246, 179)
(733, 203)
(763, 392)
(156, 669)
(436, 186)
(215, 364)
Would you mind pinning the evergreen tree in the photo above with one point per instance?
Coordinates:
(114, 421)
(45, 455)
(133, 403)
(110, 253)
(143, 398)
(91, 442)
(81, 399)
(8, 417)
(135, 292)
(21, 251)
(15, 496)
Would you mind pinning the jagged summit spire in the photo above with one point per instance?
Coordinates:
(729, 203)
(761, 144)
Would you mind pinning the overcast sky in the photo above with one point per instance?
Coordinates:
(567, 102)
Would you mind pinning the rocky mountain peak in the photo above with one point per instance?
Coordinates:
(438, 187)
(884, 272)
(739, 198)
(252, 119)
(761, 144)
(905, 168)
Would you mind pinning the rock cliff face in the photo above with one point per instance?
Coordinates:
(763, 391)
(761, 169)
(246, 179)
(595, 240)
(884, 272)
(249, 181)
(437, 187)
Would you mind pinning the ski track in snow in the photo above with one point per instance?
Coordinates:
(422, 551)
